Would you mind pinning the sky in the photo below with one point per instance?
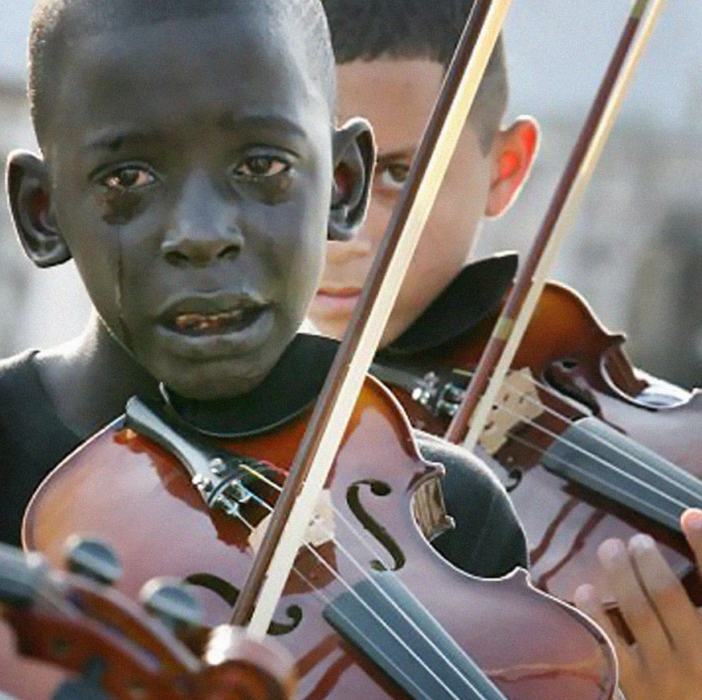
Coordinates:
(557, 50)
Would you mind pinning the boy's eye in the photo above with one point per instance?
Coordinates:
(259, 167)
(129, 178)
(394, 175)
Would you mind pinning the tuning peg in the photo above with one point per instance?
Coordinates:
(169, 600)
(92, 558)
(21, 577)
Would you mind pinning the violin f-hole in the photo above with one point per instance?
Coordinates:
(229, 594)
(377, 488)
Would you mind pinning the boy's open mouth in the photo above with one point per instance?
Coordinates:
(203, 316)
(206, 324)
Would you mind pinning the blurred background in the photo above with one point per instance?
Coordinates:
(636, 251)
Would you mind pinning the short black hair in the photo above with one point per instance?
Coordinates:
(56, 21)
(365, 30)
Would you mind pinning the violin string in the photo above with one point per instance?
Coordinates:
(335, 574)
(607, 464)
(374, 552)
(572, 423)
(599, 439)
(528, 443)
(327, 601)
(370, 548)
(520, 392)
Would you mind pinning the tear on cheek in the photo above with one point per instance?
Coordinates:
(117, 254)
(276, 192)
(119, 207)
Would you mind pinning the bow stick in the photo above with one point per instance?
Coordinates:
(333, 410)
(513, 321)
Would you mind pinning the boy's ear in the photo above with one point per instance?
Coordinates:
(513, 153)
(29, 192)
(354, 161)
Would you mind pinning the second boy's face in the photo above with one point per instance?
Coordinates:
(397, 97)
(192, 176)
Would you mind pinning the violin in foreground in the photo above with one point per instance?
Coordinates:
(79, 639)
(370, 610)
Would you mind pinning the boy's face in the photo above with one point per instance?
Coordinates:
(191, 165)
(397, 96)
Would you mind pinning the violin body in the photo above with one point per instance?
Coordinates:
(342, 595)
(579, 374)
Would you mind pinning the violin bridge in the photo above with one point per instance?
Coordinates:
(429, 509)
(320, 530)
(517, 402)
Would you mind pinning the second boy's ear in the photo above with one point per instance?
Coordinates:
(29, 192)
(513, 154)
(354, 160)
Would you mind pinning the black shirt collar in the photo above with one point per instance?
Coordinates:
(473, 294)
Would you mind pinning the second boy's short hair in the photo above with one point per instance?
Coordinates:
(366, 30)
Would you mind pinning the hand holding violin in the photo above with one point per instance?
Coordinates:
(665, 663)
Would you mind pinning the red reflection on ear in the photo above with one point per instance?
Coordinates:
(509, 163)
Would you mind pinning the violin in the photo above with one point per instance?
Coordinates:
(603, 449)
(370, 609)
(77, 637)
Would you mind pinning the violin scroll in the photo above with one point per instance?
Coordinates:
(238, 666)
(113, 649)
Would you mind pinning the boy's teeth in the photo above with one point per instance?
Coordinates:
(204, 323)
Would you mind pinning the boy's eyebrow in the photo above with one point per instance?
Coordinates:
(114, 139)
(400, 154)
(232, 122)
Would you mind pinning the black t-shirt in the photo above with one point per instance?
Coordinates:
(487, 539)
(32, 440)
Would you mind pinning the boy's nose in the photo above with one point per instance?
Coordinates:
(201, 245)
(202, 229)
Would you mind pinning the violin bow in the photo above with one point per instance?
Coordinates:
(497, 357)
(321, 442)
